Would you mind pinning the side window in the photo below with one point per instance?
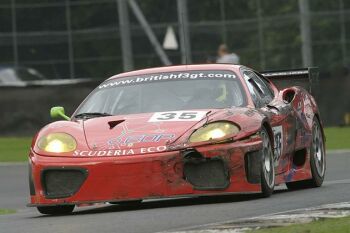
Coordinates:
(267, 94)
(267, 84)
(253, 89)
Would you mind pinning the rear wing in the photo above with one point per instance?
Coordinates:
(306, 78)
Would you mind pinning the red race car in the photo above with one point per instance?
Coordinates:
(180, 131)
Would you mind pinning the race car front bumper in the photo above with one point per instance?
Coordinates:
(206, 170)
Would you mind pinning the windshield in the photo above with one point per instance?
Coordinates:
(165, 92)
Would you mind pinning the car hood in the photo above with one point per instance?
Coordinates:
(137, 131)
(145, 133)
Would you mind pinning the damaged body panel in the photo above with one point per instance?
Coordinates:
(175, 131)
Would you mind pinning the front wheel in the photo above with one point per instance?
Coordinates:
(267, 166)
(317, 161)
(56, 210)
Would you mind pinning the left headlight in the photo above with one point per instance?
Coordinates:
(57, 143)
(214, 131)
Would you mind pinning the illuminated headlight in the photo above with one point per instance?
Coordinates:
(214, 131)
(57, 143)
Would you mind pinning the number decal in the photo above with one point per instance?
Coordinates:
(188, 115)
(177, 116)
(278, 137)
(166, 116)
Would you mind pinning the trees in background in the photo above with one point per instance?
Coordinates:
(265, 33)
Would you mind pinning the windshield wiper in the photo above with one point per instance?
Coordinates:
(92, 114)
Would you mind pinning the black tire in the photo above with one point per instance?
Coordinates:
(56, 210)
(267, 166)
(317, 161)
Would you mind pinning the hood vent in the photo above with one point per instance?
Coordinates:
(112, 124)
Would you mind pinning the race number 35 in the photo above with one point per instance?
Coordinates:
(177, 116)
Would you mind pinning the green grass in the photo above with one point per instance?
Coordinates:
(337, 225)
(16, 149)
(337, 138)
(6, 211)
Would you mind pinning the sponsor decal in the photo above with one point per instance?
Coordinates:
(278, 138)
(112, 153)
(178, 116)
(161, 77)
(130, 140)
(152, 149)
(304, 110)
(96, 153)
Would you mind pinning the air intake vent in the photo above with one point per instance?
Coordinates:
(62, 182)
(205, 173)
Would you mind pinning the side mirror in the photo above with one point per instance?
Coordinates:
(57, 112)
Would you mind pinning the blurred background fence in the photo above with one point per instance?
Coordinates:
(68, 39)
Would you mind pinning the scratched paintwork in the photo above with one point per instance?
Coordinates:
(160, 174)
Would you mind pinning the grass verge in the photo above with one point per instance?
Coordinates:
(336, 225)
(16, 149)
(6, 211)
(337, 138)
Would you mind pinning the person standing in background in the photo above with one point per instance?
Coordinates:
(225, 56)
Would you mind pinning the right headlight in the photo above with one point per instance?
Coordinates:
(214, 131)
(57, 143)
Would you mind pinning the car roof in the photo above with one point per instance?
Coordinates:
(177, 68)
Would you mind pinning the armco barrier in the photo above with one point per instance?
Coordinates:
(25, 109)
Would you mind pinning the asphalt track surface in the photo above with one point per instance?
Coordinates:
(165, 215)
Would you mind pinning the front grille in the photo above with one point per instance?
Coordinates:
(62, 182)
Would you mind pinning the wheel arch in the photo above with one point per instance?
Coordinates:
(317, 116)
(268, 127)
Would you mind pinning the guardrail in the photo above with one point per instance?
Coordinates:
(24, 108)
